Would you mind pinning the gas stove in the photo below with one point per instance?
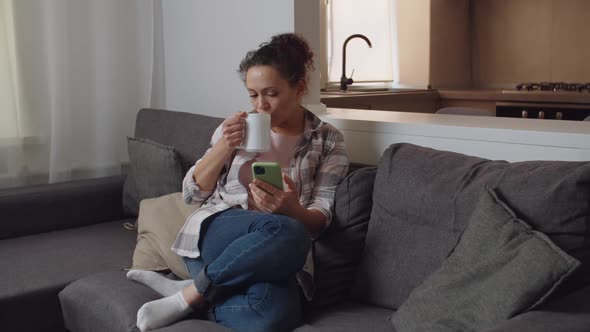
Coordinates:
(554, 86)
(548, 100)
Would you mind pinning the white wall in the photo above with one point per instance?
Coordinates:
(204, 42)
(307, 23)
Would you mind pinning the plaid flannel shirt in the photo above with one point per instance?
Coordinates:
(318, 165)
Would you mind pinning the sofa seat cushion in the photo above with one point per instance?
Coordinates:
(348, 317)
(109, 302)
(568, 314)
(36, 267)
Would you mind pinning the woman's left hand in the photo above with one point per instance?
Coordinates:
(273, 200)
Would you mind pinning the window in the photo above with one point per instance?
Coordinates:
(374, 19)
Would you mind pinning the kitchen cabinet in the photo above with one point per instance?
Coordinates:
(417, 101)
(480, 99)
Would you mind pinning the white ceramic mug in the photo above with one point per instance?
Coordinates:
(256, 133)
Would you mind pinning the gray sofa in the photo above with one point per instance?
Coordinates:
(63, 246)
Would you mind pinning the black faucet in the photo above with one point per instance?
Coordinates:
(345, 82)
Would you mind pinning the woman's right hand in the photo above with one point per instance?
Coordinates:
(207, 171)
(232, 130)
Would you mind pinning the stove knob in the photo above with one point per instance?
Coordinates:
(558, 116)
(524, 114)
(541, 115)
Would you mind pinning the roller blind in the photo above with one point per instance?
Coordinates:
(373, 18)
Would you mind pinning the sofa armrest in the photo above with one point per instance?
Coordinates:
(43, 208)
(569, 313)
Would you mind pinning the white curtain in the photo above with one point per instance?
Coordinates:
(73, 75)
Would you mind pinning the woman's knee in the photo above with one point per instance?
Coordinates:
(294, 234)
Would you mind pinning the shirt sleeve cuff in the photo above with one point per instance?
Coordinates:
(326, 213)
(191, 192)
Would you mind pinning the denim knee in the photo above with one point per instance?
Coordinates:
(275, 249)
(294, 233)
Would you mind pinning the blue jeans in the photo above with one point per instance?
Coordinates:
(247, 269)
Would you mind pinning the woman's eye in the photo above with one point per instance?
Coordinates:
(272, 94)
(253, 96)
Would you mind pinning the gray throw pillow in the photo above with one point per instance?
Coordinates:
(155, 170)
(500, 267)
(338, 250)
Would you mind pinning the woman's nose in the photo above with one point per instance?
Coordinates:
(261, 104)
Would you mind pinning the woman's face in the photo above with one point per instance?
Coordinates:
(272, 94)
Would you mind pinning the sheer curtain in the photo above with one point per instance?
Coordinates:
(73, 76)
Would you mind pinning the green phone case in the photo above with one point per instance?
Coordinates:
(269, 172)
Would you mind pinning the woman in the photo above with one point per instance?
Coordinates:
(248, 247)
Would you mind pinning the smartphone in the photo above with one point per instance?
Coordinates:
(269, 172)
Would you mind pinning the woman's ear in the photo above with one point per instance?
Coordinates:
(301, 88)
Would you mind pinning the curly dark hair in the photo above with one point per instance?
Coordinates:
(288, 53)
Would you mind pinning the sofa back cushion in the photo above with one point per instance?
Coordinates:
(187, 134)
(423, 199)
(338, 250)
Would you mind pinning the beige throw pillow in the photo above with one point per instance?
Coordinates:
(159, 221)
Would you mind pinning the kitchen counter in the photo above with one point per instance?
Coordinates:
(368, 133)
(516, 96)
(406, 100)
(470, 94)
(504, 103)
(400, 93)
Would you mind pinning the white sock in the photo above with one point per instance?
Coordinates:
(162, 312)
(158, 282)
